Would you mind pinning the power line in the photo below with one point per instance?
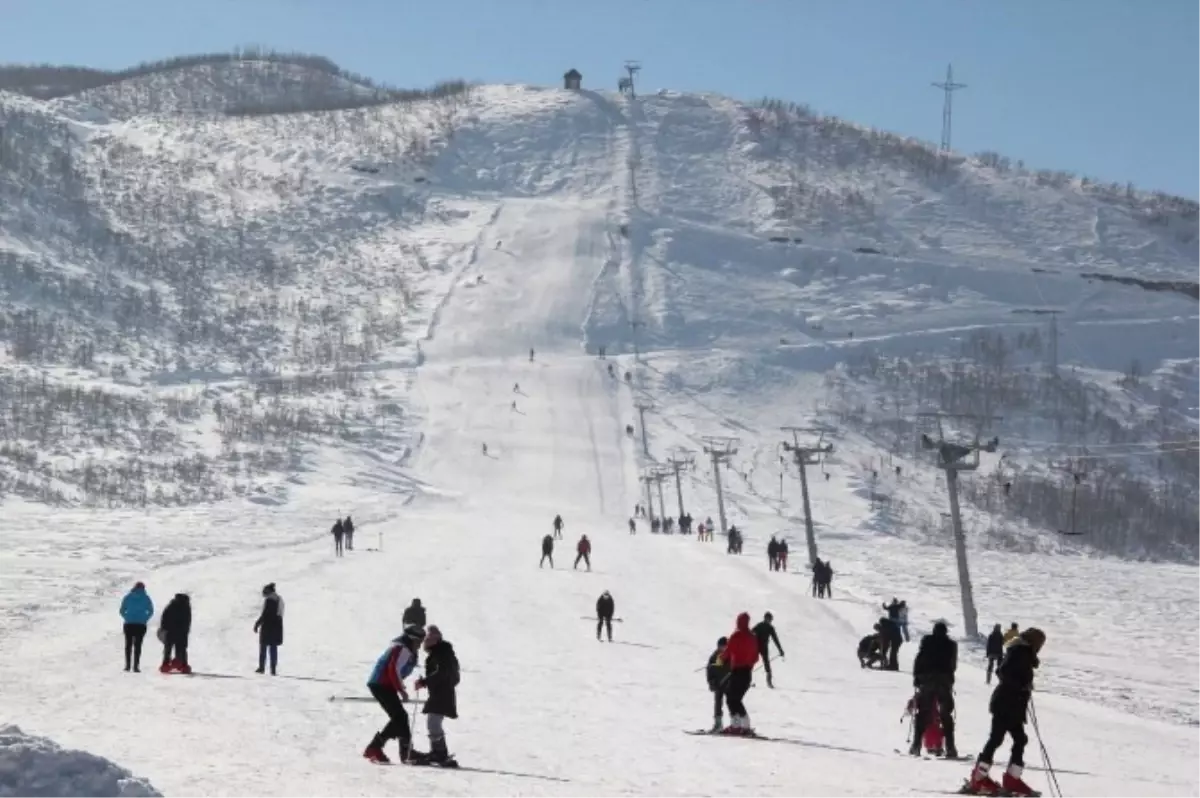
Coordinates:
(948, 87)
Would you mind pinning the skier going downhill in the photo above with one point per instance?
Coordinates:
(441, 678)
(174, 627)
(995, 651)
(547, 551)
(1009, 706)
(718, 676)
(386, 684)
(604, 614)
(740, 656)
(558, 527)
(764, 633)
(933, 679)
(414, 615)
(583, 551)
(136, 611)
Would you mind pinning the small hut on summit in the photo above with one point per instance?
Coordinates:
(573, 80)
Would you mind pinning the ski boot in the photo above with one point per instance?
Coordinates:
(1012, 784)
(718, 725)
(410, 756)
(164, 668)
(915, 749)
(374, 753)
(980, 782)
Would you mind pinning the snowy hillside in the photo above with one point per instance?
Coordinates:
(223, 332)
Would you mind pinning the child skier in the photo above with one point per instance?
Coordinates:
(441, 677)
(1009, 705)
(717, 674)
(386, 684)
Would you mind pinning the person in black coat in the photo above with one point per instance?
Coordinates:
(269, 627)
(764, 633)
(604, 613)
(995, 650)
(895, 637)
(338, 531)
(547, 551)
(175, 626)
(348, 531)
(414, 614)
(933, 678)
(441, 679)
(717, 674)
(1009, 706)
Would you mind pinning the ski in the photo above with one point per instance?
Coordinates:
(932, 758)
(490, 771)
(707, 733)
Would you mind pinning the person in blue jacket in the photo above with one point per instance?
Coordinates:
(136, 610)
(386, 684)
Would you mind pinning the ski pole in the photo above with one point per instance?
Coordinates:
(412, 726)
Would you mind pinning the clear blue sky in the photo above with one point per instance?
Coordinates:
(1106, 88)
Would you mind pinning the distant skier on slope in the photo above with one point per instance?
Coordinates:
(902, 619)
(1009, 706)
(348, 531)
(386, 684)
(414, 615)
(269, 627)
(338, 531)
(583, 551)
(995, 651)
(740, 656)
(441, 678)
(485, 449)
(531, 355)
(136, 611)
(781, 556)
(604, 613)
(175, 626)
(772, 554)
(547, 551)
(933, 679)
(717, 674)
(558, 527)
(632, 527)
(764, 633)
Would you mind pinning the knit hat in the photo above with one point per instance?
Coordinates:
(1034, 637)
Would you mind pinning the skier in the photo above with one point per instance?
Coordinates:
(892, 630)
(338, 531)
(583, 550)
(781, 556)
(740, 655)
(485, 449)
(632, 527)
(995, 650)
(655, 524)
(818, 568)
(516, 387)
(386, 684)
(414, 615)
(174, 627)
(827, 580)
(604, 613)
(441, 677)
(933, 679)
(558, 527)
(531, 355)
(269, 627)
(514, 405)
(136, 611)
(718, 676)
(348, 531)
(764, 633)
(933, 740)
(547, 551)
(611, 371)
(1009, 705)
(772, 554)
(902, 619)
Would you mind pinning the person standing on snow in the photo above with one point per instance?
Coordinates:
(531, 355)
(740, 656)
(933, 679)
(547, 551)
(604, 613)
(902, 619)
(440, 679)
(414, 615)
(764, 633)
(348, 530)
(1009, 706)
(772, 554)
(269, 627)
(175, 626)
(558, 527)
(136, 611)
(818, 568)
(718, 675)
(781, 556)
(632, 527)
(386, 684)
(338, 531)
(583, 551)
(1012, 634)
(995, 651)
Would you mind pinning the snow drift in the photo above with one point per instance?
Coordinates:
(32, 765)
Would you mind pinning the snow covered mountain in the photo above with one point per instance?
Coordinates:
(223, 329)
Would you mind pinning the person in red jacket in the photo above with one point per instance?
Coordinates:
(740, 656)
(583, 550)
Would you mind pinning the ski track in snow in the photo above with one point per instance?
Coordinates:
(544, 705)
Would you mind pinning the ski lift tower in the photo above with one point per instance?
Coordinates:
(720, 449)
(681, 460)
(632, 68)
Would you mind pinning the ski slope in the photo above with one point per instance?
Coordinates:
(545, 709)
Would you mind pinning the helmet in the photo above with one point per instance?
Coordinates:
(721, 641)
(768, 617)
